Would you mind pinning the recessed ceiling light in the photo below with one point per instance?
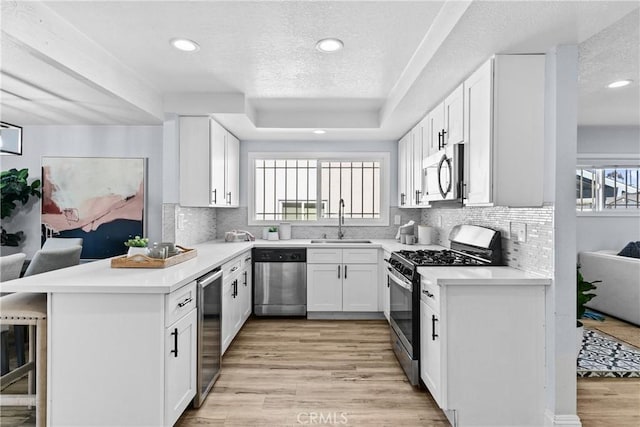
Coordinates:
(185, 45)
(619, 83)
(329, 45)
(319, 132)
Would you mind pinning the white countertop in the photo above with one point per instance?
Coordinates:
(442, 276)
(99, 277)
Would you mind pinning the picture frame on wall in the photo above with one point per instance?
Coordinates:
(101, 199)
(10, 139)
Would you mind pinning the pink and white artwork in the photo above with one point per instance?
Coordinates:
(98, 199)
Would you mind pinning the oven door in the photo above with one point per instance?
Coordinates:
(401, 315)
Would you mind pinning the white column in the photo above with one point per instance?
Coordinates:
(561, 98)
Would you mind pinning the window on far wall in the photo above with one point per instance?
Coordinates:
(607, 189)
(308, 187)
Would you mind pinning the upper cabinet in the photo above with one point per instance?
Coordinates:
(209, 164)
(453, 106)
(504, 132)
(411, 150)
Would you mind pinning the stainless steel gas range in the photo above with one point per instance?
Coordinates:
(471, 246)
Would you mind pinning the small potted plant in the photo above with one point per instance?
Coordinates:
(137, 246)
(583, 296)
(273, 233)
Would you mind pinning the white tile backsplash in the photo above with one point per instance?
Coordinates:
(535, 255)
(199, 224)
(237, 219)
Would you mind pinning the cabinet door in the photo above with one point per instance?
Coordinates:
(478, 101)
(430, 348)
(416, 165)
(454, 116)
(228, 310)
(194, 161)
(402, 170)
(217, 159)
(436, 127)
(324, 287)
(180, 366)
(247, 286)
(386, 301)
(360, 287)
(232, 170)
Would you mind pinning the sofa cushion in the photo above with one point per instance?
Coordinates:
(632, 250)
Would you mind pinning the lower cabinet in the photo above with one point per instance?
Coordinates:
(479, 344)
(180, 346)
(236, 297)
(342, 280)
(384, 286)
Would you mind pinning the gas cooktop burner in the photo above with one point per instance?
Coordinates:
(424, 258)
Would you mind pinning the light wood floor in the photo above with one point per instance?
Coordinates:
(611, 402)
(276, 369)
(281, 372)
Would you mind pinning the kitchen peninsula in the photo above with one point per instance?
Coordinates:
(111, 334)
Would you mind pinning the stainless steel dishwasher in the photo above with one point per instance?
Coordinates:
(280, 281)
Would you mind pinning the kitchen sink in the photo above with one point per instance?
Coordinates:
(340, 241)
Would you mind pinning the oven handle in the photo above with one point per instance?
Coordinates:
(400, 282)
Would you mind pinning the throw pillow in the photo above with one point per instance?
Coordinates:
(632, 250)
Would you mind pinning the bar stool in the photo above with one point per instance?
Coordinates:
(28, 309)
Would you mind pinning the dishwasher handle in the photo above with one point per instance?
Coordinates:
(208, 279)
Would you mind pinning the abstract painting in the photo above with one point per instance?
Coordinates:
(101, 200)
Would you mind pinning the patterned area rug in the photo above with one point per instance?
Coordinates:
(604, 356)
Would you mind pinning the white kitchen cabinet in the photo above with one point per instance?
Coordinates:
(236, 298)
(410, 154)
(504, 132)
(180, 365)
(209, 163)
(384, 286)
(123, 342)
(403, 174)
(436, 125)
(342, 280)
(475, 343)
(453, 106)
(246, 287)
(324, 287)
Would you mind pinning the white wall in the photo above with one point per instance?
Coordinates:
(87, 141)
(608, 142)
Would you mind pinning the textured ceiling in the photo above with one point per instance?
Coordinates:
(109, 62)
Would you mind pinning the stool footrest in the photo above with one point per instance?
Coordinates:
(17, 373)
(17, 400)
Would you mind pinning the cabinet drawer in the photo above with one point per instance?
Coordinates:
(232, 267)
(360, 256)
(246, 260)
(430, 294)
(324, 256)
(180, 302)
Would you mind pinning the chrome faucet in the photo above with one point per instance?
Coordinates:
(340, 219)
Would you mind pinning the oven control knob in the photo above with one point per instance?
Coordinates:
(406, 271)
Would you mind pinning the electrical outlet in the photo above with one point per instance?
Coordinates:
(518, 231)
(396, 220)
(181, 221)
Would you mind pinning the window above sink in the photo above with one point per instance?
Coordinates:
(305, 188)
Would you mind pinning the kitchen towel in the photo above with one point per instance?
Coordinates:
(424, 235)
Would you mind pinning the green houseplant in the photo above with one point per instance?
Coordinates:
(15, 188)
(584, 294)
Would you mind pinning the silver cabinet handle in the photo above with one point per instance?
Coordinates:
(185, 302)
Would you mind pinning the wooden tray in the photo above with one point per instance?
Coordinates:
(143, 261)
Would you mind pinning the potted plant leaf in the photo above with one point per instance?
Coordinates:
(584, 295)
(15, 188)
(273, 233)
(137, 246)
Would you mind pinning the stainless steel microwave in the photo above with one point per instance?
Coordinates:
(442, 174)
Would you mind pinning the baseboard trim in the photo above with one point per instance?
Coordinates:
(345, 315)
(553, 420)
